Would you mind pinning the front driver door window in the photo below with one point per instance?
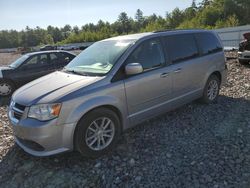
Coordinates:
(149, 54)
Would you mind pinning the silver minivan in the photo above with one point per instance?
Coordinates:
(113, 85)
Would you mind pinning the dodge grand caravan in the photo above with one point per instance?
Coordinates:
(115, 84)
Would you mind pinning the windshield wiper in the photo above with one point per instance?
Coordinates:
(75, 72)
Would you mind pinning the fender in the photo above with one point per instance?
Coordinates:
(96, 102)
(210, 71)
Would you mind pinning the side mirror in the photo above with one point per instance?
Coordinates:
(133, 68)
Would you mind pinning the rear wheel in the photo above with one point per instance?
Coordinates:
(97, 132)
(211, 90)
(6, 88)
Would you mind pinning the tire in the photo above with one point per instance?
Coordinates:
(85, 135)
(243, 62)
(211, 90)
(6, 88)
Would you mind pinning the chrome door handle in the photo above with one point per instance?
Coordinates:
(165, 74)
(177, 70)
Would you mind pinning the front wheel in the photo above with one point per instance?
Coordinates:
(97, 132)
(6, 88)
(211, 90)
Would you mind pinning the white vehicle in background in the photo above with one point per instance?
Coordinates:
(68, 47)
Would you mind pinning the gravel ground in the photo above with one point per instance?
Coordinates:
(194, 146)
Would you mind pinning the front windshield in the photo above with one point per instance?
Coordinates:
(19, 61)
(99, 58)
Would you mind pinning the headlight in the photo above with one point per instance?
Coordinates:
(44, 112)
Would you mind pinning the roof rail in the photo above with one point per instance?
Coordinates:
(159, 31)
(175, 30)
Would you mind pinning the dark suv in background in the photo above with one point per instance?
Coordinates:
(30, 67)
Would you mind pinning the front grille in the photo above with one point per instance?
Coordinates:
(19, 106)
(17, 115)
(247, 56)
(31, 144)
(18, 111)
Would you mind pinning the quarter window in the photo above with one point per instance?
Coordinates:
(181, 47)
(208, 43)
(149, 54)
(43, 60)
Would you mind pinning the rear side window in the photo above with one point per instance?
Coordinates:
(208, 43)
(65, 57)
(181, 47)
(70, 56)
(43, 60)
(53, 58)
(149, 54)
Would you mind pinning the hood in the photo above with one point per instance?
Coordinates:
(246, 36)
(5, 68)
(50, 88)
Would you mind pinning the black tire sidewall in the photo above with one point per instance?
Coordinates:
(205, 98)
(83, 124)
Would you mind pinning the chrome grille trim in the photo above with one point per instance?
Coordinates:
(17, 110)
(15, 113)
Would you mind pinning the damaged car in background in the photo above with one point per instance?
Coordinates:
(244, 50)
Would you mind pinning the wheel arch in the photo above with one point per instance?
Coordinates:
(107, 106)
(8, 80)
(13, 84)
(210, 73)
(218, 74)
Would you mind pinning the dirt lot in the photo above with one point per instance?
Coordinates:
(7, 58)
(194, 146)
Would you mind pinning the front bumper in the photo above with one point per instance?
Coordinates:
(42, 138)
(244, 56)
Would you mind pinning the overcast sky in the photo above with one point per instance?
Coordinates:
(17, 14)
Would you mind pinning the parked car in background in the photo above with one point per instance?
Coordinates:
(29, 67)
(83, 47)
(48, 47)
(244, 50)
(115, 84)
(68, 47)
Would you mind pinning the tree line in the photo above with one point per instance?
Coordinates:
(209, 14)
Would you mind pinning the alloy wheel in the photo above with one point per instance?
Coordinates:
(5, 89)
(212, 90)
(100, 133)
